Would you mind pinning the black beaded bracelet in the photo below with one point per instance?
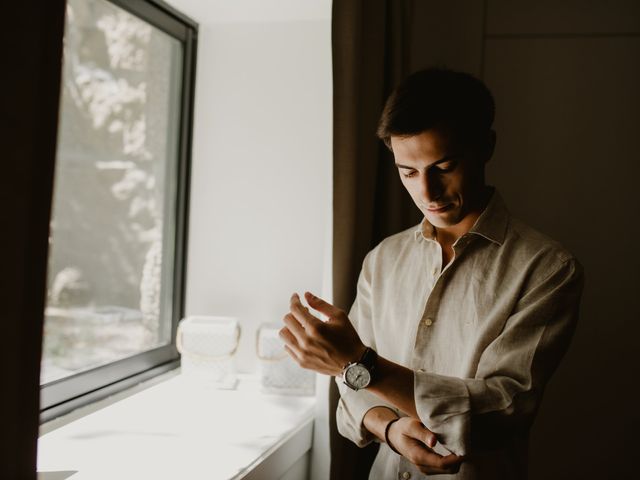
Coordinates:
(386, 434)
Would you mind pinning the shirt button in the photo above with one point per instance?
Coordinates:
(434, 272)
(428, 322)
(406, 475)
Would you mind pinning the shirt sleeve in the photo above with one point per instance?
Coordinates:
(503, 398)
(353, 405)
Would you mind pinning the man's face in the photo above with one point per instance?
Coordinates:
(446, 181)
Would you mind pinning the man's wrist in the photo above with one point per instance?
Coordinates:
(359, 352)
(387, 429)
(377, 419)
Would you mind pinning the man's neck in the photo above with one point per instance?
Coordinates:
(447, 236)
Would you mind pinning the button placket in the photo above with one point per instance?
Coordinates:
(428, 317)
(431, 306)
(437, 268)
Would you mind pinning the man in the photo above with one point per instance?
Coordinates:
(458, 323)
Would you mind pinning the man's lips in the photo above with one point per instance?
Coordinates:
(439, 209)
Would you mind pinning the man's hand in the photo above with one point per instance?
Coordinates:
(325, 347)
(414, 442)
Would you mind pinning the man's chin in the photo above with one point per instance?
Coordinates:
(443, 220)
(440, 222)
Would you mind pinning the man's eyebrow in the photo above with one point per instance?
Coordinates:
(442, 160)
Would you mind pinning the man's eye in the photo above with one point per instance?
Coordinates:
(446, 167)
(409, 174)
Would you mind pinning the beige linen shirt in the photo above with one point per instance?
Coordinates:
(483, 336)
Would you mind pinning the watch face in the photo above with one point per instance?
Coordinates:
(357, 376)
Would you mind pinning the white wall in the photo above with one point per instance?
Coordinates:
(261, 172)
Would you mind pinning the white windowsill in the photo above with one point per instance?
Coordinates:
(170, 428)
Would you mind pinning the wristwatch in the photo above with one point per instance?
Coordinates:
(358, 375)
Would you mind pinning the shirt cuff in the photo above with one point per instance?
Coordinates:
(352, 407)
(444, 407)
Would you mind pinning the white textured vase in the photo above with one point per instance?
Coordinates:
(278, 372)
(208, 345)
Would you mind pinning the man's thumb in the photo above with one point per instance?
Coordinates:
(430, 438)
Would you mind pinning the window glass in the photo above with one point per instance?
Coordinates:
(111, 252)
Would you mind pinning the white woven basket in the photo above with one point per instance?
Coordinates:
(208, 345)
(278, 372)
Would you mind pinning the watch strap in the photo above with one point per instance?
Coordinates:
(369, 358)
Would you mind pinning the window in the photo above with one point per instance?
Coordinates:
(117, 235)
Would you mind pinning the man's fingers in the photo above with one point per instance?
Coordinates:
(434, 466)
(451, 460)
(291, 345)
(301, 312)
(425, 458)
(426, 469)
(288, 338)
(418, 431)
(320, 305)
(292, 353)
(430, 438)
(295, 328)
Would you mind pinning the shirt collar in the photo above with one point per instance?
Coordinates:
(491, 224)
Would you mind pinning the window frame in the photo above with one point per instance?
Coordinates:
(63, 395)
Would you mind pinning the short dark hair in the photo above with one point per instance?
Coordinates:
(438, 98)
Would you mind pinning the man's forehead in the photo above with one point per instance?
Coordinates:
(429, 142)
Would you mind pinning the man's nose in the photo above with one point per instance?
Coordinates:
(430, 187)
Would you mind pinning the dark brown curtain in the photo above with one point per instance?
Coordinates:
(30, 81)
(370, 46)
